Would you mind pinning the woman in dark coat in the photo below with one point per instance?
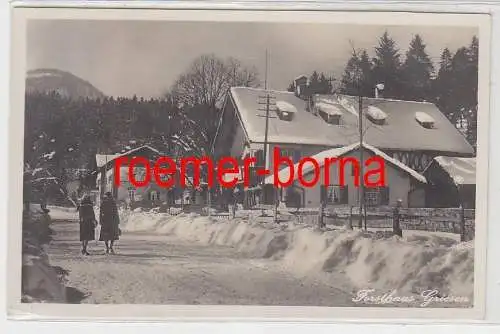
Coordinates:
(109, 221)
(87, 223)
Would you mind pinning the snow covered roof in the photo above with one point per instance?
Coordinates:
(284, 174)
(103, 159)
(300, 77)
(401, 133)
(461, 170)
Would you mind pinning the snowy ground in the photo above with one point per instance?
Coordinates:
(153, 269)
(190, 259)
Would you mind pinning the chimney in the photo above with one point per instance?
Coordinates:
(378, 89)
(301, 86)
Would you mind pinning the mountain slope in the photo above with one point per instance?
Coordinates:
(66, 84)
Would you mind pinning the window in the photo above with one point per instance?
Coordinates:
(377, 196)
(335, 194)
(154, 195)
(259, 155)
(131, 194)
(291, 153)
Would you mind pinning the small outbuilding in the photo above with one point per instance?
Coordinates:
(452, 182)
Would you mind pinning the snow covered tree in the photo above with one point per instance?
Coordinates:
(417, 71)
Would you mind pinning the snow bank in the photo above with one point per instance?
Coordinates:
(62, 213)
(414, 263)
(40, 281)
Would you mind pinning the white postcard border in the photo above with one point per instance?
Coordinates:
(24, 311)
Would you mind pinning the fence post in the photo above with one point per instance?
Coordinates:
(276, 205)
(462, 223)
(321, 215)
(350, 218)
(396, 226)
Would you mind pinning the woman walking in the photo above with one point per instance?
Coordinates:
(109, 221)
(87, 223)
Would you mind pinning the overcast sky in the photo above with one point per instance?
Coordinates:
(122, 58)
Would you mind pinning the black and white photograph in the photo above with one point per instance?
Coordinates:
(329, 162)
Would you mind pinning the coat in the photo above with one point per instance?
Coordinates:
(109, 220)
(86, 210)
(87, 220)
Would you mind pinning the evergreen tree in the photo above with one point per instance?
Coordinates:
(417, 72)
(358, 76)
(325, 86)
(314, 84)
(455, 87)
(442, 84)
(460, 85)
(387, 66)
(473, 53)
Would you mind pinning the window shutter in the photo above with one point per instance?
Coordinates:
(296, 156)
(260, 158)
(344, 195)
(384, 196)
(323, 194)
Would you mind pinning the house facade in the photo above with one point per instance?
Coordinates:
(127, 192)
(398, 182)
(302, 124)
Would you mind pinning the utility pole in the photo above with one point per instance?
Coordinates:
(268, 102)
(361, 183)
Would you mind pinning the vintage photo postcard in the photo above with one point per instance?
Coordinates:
(185, 164)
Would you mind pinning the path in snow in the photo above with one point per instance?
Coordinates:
(158, 269)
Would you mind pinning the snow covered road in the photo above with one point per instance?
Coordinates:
(159, 269)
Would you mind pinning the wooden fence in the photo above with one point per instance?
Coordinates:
(450, 220)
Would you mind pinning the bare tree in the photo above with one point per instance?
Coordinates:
(209, 78)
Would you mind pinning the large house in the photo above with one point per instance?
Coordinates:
(302, 124)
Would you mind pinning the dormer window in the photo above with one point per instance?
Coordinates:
(285, 110)
(425, 120)
(329, 112)
(376, 115)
